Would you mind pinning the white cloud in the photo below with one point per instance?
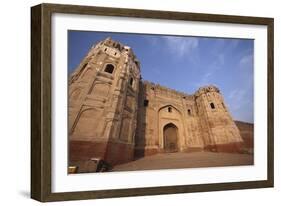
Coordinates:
(237, 94)
(181, 46)
(246, 60)
(240, 105)
(238, 98)
(211, 69)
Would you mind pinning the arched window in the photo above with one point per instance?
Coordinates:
(145, 102)
(169, 109)
(212, 105)
(131, 81)
(189, 112)
(109, 68)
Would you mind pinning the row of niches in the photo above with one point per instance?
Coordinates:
(116, 50)
(169, 109)
(111, 52)
(109, 42)
(110, 45)
(189, 111)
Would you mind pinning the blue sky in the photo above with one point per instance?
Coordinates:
(185, 63)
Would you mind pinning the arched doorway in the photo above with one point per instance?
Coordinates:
(170, 133)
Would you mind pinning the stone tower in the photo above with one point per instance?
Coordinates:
(219, 132)
(103, 97)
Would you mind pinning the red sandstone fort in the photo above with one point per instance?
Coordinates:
(116, 116)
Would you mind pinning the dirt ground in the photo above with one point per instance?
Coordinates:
(186, 160)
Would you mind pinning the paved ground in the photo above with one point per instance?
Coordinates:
(186, 160)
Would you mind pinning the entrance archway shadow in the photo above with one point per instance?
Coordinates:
(170, 137)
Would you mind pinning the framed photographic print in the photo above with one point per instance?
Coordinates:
(130, 102)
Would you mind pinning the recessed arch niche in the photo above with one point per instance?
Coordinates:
(88, 124)
(170, 136)
(170, 115)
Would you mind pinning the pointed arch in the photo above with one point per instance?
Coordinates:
(88, 122)
(170, 137)
(169, 106)
(109, 68)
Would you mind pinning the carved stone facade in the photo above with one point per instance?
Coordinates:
(116, 116)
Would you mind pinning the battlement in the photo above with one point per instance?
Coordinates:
(206, 89)
(200, 91)
(109, 42)
(159, 87)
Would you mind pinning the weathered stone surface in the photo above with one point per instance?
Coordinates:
(247, 133)
(116, 116)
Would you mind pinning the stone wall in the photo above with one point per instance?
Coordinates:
(202, 120)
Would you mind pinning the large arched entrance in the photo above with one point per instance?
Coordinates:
(170, 133)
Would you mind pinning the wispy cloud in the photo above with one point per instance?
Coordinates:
(220, 51)
(240, 104)
(225, 45)
(211, 69)
(181, 46)
(237, 94)
(205, 80)
(237, 99)
(246, 60)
